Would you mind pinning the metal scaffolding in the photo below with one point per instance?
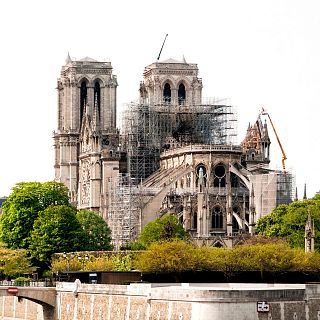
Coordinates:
(123, 210)
(272, 189)
(151, 129)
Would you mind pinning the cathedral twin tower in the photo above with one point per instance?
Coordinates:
(86, 142)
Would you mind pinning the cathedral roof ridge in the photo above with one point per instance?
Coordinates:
(88, 59)
(171, 60)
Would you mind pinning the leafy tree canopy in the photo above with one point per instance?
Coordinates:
(22, 208)
(181, 256)
(169, 256)
(288, 221)
(14, 262)
(97, 232)
(57, 229)
(162, 229)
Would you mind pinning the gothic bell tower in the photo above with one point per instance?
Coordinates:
(86, 139)
(171, 82)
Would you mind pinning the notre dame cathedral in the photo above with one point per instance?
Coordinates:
(176, 153)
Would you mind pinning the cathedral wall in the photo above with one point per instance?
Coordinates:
(265, 190)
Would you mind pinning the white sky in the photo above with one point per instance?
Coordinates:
(257, 53)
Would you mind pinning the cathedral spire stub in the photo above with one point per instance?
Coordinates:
(309, 234)
(305, 192)
(68, 59)
(265, 131)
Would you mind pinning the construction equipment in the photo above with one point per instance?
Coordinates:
(162, 47)
(284, 157)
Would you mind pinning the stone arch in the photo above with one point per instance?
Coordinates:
(167, 93)
(46, 298)
(182, 94)
(240, 175)
(186, 83)
(83, 79)
(149, 210)
(97, 100)
(237, 219)
(98, 79)
(218, 244)
(83, 86)
(182, 90)
(171, 81)
(217, 217)
(164, 94)
(97, 169)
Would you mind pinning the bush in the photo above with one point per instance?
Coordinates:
(169, 256)
(22, 279)
(179, 256)
(111, 261)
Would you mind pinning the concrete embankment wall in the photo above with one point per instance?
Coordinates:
(139, 301)
(13, 308)
(187, 302)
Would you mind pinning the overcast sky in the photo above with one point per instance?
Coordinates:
(256, 53)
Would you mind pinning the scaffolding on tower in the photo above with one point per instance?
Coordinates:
(150, 129)
(123, 210)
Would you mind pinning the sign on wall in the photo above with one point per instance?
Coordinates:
(263, 306)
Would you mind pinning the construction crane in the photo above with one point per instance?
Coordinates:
(284, 157)
(162, 47)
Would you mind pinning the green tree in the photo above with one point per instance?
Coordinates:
(169, 256)
(288, 221)
(14, 262)
(181, 256)
(162, 229)
(97, 232)
(56, 230)
(22, 208)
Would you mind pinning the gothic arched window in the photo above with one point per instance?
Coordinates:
(219, 176)
(83, 98)
(217, 218)
(181, 94)
(97, 96)
(167, 93)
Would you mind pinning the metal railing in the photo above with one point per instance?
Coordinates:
(45, 283)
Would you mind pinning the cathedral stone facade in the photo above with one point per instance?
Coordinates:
(175, 154)
(87, 140)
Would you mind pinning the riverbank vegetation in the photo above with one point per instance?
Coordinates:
(182, 256)
(38, 221)
(39, 218)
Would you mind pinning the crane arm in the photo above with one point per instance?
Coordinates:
(284, 157)
(162, 47)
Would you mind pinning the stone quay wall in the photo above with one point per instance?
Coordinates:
(139, 301)
(19, 309)
(188, 301)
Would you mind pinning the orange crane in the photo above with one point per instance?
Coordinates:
(284, 157)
